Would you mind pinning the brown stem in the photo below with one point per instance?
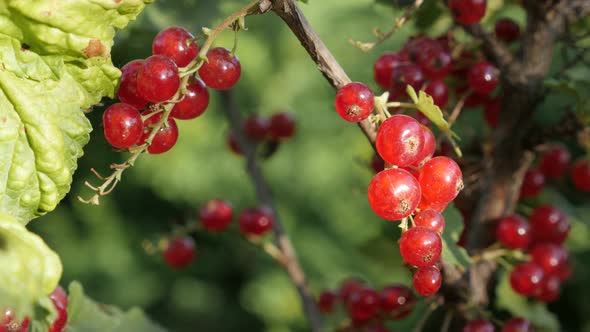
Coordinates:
(290, 261)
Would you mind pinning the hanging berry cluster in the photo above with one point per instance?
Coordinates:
(259, 129)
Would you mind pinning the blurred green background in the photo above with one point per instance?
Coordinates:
(319, 180)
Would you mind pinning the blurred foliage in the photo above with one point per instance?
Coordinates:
(319, 180)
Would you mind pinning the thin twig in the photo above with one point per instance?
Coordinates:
(446, 324)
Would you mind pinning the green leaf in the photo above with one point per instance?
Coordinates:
(452, 253)
(54, 62)
(30, 270)
(428, 13)
(519, 306)
(85, 315)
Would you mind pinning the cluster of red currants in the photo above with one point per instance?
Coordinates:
(163, 80)
(60, 301)
(516, 324)
(216, 215)
(367, 307)
(542, 237)
(258, 129)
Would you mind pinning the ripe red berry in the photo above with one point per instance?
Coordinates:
(517, 325)
(507, 30)
(282, 125)
(430, 219)
(479, 325)
(428, 148)
(550, 289)
(420, 246)
(394, 194)
(427, 280)
(400, 140)
(555, 161)
(326, 301)
(232, 142)
(177, 44)
(157, 79)
(349, 286)
(514, 232)
(435, 64)
(122, 124)
(166, 137)
(467, 11)
(377, 163)
(193, 103)
(179, 252)
(526, 279)
(397, 301)
(60, 302)
(363, 304)
(404, 75)
(222, 69)
(354, 102)
(256, 127)
(7, 323)
(127, 91)
(383, 68)
(255, 221)
(581, 174)
(549, 224)
(532, 183)
(216, 215)
(439, 91)
(492, 109)
(426, 204)
(441, 180)
(552, 258)
(483, 77)
(421, 46)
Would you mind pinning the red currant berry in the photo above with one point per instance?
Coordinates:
(7, 323)
(232, 142)
(354, 102)
(437, 206)
(507, 30)
(483, 77)
(400, 140)
(430, 219)
(492, 109)
(566, 271)
(435, 64)
(404, 75)
(256, 127)
(552, 258)
(394, 194)
(222, 69)
(526, 279)
(549, 224)
(420, 246)
(363, 304)
(532, 183)
(555, 162)
(122, 125)
(348, 287)
(326, 301)
(581, 175)
(439, 91)
(467, 11)
(216, 215)
(177, 44)
(550, 289)
(193, 103)
(157, 79)
(397, 301)
(514, 232)
(428, 149)
(441, 180)
(166, 137)
(179, 252)
(420, 46)
(60, 302)
(377, 163)
(427, 280)
(384, 67)
(282, 125)
(127, 91)
(479, 325)
(255, 221)
(517, 325)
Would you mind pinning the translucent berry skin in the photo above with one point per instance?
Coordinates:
(256, 127)
(400, 140)
(255, 221)
(363, 304)
(326, 301)
(394, 194)
(397, 301)
(514, 232)
(467, 11)
(437, 64)
(492, 109)
(440, 180)
(507, 30)
(581, 174)
(430, 219)
(222, 70)
(127, 91)
(555, 162)
(180, 252)
(532, 183)
(348, 287)
(384, 67)
(60, 303)
(526, 279)
(166, 137)
(479, 325)
(7, 323)
(552, 258)
(427, 280)
(517, 325)
(428, 148)
(483, 77)
(549, 224)
(216, 215)
(354, 102)
(193, 103)
(122, 124)
(404, 75)
(439, 91)
(420, 246)
(550, 289)
(282, 125)
(157, 79)
(176, 43)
